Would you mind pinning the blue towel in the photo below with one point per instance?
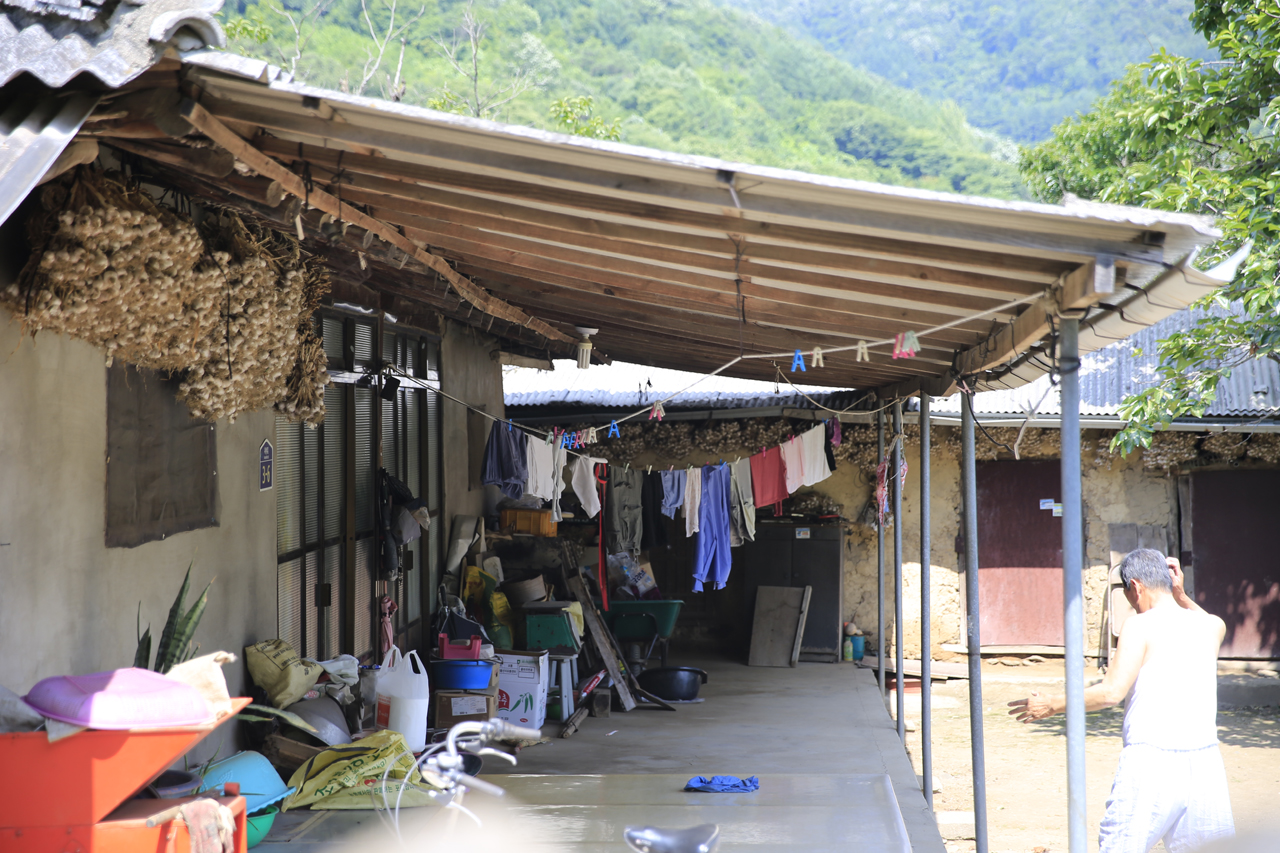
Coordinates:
(723, 784)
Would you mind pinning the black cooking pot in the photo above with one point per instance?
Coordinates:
(673, 683)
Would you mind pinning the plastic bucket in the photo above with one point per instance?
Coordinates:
(859, 647)
(462, 674)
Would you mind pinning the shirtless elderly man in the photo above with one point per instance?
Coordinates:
(1171, 784)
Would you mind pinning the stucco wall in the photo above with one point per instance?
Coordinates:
(470, 371)
(68, 603)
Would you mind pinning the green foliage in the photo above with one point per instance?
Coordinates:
(679, 75)
(1182, 134)
(255, 713)
(252, 28)
(176, 639)
(573, 115)
(1016, 68)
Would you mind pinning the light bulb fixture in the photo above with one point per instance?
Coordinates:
(584, 346)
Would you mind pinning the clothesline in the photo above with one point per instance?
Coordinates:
(860, 345)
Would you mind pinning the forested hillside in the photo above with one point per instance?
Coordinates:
(1016, 68)
(682, 75)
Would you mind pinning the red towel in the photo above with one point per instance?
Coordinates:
(768, 478)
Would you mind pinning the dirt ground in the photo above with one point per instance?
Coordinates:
(1026, 764)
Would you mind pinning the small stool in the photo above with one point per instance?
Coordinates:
(567, 675)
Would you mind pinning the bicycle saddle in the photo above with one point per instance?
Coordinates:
(651, 839)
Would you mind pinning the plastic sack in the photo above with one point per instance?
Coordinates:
(277, 669)
(344, 777)
(404, 698)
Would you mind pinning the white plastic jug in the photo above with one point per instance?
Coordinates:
(404, 696)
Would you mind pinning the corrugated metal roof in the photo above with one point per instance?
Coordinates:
(73, 38)
(634, 386)
(1122, 369)
(688, 261)
(34, 131)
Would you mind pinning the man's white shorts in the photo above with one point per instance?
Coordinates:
(1176, 795)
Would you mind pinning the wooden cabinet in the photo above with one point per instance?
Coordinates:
(799, 555)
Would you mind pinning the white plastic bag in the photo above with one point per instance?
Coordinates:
(404, 697)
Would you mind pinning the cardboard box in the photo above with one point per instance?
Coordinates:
(523, 678)
(450, 707)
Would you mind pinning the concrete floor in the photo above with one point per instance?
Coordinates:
(824, 747)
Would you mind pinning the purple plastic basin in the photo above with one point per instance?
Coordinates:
(120, 699)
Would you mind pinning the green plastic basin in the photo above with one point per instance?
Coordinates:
(259, 824)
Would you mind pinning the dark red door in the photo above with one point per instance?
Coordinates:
(1019, 553)
(1234, 557)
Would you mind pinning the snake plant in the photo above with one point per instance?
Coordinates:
(176, 643)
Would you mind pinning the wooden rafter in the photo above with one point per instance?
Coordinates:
(264, 165)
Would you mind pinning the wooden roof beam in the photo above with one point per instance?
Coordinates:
(715, 252)
(265, 166)
(546, 173)
(881, 247)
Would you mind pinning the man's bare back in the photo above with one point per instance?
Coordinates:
(1171, 784)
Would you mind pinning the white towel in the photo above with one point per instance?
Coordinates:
(692, 500)
(815, 456)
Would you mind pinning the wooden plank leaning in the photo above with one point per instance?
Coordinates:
(601, 639)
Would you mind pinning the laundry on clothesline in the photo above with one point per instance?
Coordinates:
(506, 460)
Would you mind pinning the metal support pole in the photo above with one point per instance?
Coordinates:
(894, 471)
(1072, 584)
(969, 490)
(879, 564)
(926, 657)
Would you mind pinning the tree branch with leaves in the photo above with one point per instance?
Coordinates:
(1199, 137)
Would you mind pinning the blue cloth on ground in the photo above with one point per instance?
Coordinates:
(723, 784)
(714, 559)
(672, 492)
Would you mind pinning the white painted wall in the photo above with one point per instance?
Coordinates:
(67, 602)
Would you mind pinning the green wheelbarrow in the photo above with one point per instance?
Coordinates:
(649, 622)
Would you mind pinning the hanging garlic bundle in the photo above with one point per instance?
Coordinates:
(1225, 446)
(1264, 447)
(1170, 449)
(261, 351)
(111, 267)
(230, 309)
(629, 444)
(761, 433)
(672, 441)
(719, 438)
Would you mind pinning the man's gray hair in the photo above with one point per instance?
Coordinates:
(1147, 565)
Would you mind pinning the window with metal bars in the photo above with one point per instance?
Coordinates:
(328, 588)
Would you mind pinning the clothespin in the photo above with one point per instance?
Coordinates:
(657, 411)
(613, 430)
(591, 436)
(550, 437)
(905, 345)
(508, 426)
(626, 467)
(650, 471)
(863, 355)
(817, 358)
(797, 361)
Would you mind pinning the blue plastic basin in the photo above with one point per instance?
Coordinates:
(461, 674)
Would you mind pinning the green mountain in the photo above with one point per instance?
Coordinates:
(681, 75)
(1016, 68)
